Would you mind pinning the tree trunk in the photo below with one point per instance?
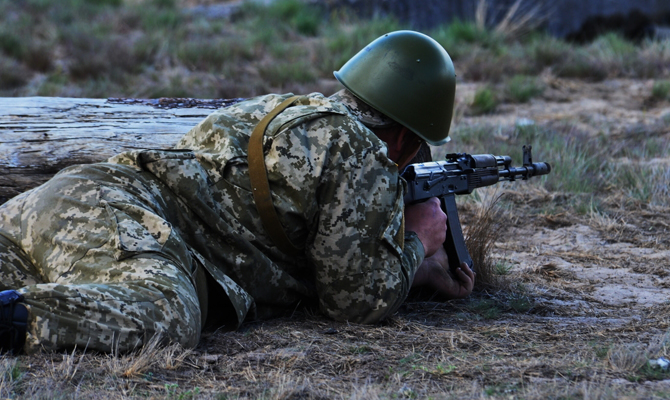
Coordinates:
(39, 136)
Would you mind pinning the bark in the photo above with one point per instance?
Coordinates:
(39, 136)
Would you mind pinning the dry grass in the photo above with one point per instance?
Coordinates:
(154, 48)
(427, 350)
(515, 23)
(486, 225)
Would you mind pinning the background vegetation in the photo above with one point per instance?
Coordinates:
(154, 48)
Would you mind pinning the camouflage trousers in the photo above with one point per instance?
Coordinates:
(96, 257)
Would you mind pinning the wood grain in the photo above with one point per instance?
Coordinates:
(39, 136)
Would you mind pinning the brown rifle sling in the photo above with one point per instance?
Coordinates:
(260, 187)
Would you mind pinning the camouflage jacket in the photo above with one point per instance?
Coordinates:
(338, 196)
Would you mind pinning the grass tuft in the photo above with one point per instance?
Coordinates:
(127, 45)
(345, 38)
(304, 18)
(628, 358)
(484, 102)
(480, 235)
(661, 90)
(520, 89)
(13, 75)
(11, 375)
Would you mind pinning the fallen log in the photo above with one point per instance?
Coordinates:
(39, 136)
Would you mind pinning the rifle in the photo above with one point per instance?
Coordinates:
(462, 173)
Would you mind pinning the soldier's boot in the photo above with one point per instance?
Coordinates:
(13, 322)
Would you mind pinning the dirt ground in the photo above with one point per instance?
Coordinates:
(586, 304)
(583, 308)
(604, 262)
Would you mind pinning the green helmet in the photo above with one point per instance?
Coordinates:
(409, 77)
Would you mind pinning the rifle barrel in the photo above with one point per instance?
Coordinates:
(525, 172)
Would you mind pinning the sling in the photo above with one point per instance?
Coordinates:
(260, 187)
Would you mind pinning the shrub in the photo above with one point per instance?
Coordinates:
(661, 90)
(279, 73)
(484, 102)
(303, 17)
(521, 89)
(580, 64)
(12, 74)
(210, 54)
(11, 44)
(469, 32)
(340, 44)
(93, 57)
(546, 50)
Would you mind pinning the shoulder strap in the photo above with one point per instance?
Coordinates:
(260, 186)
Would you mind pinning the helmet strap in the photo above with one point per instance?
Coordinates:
(402, 144)
(410, 144)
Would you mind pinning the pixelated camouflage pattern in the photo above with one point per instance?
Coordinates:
(106, 255)
(337, 195)
(369, 116)
(98, 264)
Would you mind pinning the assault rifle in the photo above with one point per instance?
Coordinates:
(461, 174)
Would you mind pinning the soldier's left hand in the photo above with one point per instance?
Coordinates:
(434, 272)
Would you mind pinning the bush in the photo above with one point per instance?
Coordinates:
(11, 44)
(469, 32)
(484, 102)
(582, 65)
(279, 73)
(304, 18)
(546, 50)
(340, 45)
(117, 43)
(94, 57)
(12, 74)
(520, 89)
(661, 90)
(210, 54)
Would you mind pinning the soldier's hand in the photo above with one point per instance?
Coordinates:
(434, 272)
(429, 222)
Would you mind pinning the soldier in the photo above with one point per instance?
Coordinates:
(267, 204)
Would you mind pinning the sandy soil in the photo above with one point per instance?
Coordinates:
(591, 262)
(607, 263)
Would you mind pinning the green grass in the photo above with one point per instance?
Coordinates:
(546, 50)
(582, 164)
(520, 89)
(137, 48)
(503, 268)
(646, 184)
(484, 308)
(661, 90)
(12, 76)
(484, 102)
(344, 38)
(581, 64)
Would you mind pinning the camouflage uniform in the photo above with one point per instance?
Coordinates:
(107, 255)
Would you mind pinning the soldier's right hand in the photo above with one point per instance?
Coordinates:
(429, 222)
